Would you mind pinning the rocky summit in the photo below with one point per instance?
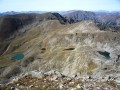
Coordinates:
(52, 52)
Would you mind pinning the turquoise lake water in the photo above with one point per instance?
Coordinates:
(18, 56)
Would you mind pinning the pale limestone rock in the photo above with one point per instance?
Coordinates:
(61, 86)
(78, 86)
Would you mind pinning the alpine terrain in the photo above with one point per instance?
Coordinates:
(77, 50)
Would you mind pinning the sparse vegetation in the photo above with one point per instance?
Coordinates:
(91, 67)
(27, 61)
(111, 83)
(118, 63)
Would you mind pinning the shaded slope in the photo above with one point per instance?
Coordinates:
(12, 23)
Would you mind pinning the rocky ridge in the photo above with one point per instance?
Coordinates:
(110, 19)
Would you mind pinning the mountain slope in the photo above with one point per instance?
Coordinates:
(12, 26)
(112, 19)
(12, 23)
(81, 15)
(79, 49)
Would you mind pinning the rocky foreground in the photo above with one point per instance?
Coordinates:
(53, 80)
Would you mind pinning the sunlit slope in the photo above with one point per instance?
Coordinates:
(70, 49)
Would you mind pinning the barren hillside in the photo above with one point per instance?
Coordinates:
(48, 42)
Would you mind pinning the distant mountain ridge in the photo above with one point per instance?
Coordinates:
(81, 15)
(107, 18)
(104, 19)
(22, 12)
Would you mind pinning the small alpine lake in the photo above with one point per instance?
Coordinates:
(18, 56)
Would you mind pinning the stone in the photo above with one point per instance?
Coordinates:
(31, 86)
(54, 77)
(73, 88)
(71, 84)
(78, 86)
(36, 73)
(18, 84)
(51, 72)
(61, 86)
(12, 88)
